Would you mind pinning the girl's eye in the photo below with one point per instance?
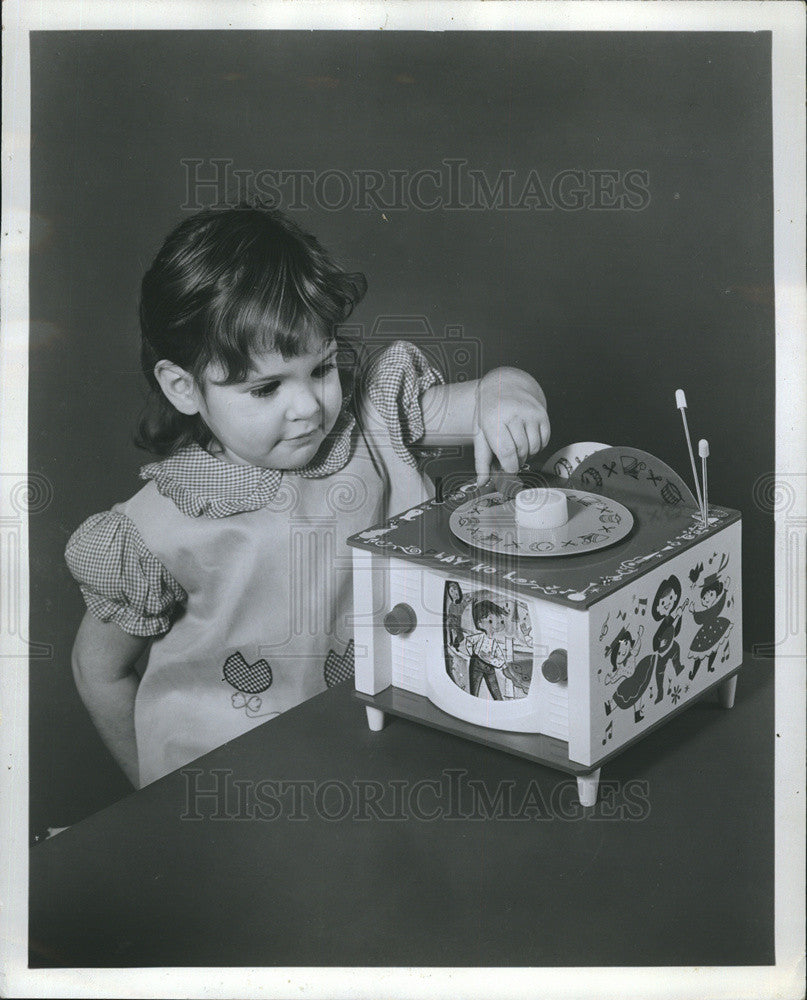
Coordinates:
(321, 371)
(262, 391)
(270, 388)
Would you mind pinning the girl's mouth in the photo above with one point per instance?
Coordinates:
(302, 438)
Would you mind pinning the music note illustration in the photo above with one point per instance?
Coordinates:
(609, 732)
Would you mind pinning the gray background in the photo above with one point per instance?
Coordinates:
(612, 311)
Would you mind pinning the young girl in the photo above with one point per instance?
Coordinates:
(230, 565)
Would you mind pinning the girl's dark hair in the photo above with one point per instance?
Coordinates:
(225, 284)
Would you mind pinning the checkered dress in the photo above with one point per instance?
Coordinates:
(123, 582)
(241, 576)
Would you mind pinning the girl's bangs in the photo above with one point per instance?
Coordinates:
(257, 324)
(282, 297)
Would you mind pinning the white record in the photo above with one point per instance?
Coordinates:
(489, 522)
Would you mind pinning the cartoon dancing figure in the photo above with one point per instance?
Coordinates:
(488, 655)
(714, 627)
(453, 613)
(666, 611)
(632, 677)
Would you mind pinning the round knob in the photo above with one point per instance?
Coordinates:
(541, 509)
(555, 666)
(401, 620)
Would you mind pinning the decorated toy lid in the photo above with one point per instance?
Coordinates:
(502, 524)
(664, 515)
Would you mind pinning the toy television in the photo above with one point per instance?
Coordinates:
(560, 617)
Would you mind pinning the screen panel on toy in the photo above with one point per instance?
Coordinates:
(487, 642)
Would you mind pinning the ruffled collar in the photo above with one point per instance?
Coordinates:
(202, 485)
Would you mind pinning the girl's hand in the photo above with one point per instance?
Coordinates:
(511, 421)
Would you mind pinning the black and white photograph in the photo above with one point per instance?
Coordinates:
(404, 499)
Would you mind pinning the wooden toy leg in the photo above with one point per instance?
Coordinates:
(587, 785)
(726, 692)
(375, 718)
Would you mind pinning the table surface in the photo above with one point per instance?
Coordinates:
(412, 847)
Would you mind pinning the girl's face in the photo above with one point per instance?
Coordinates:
(278, 417)
(624, 650)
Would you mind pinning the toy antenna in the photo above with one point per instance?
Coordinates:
(703, 451)
(681, 403)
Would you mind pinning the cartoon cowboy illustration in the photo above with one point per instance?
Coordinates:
(489, 655)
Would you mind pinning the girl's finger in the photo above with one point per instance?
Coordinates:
(518, 432)
(546, 430)
(534, 436)
(483, 456)
(505, 449)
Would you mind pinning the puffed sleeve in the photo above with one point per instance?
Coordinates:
(120, 580)
(395, 383)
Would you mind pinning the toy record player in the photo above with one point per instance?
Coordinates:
(558, 618)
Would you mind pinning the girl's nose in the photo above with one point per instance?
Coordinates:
(304, 404)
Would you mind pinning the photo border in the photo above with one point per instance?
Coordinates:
(786, 22)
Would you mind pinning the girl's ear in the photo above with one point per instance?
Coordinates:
(178, 386)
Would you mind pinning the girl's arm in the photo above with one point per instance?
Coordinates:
(103, 667)
(503, 413)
